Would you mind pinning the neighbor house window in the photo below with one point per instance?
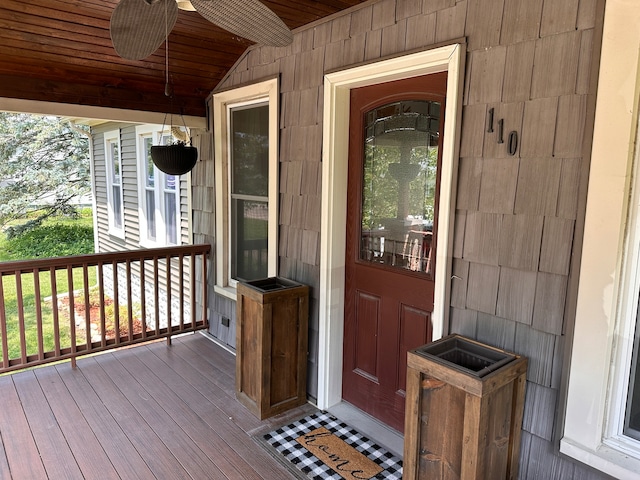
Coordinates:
(159, 198)
(113, 165)
(246, 183)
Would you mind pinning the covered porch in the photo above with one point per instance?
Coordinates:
(148, 411)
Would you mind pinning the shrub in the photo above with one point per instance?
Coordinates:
(56, 240)
(17, 230)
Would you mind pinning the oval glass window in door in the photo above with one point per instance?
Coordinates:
(401, 143)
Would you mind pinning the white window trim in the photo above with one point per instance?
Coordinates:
(266, 91)
(155, 132)
(335, 146)
(609, 265)
(110, 137)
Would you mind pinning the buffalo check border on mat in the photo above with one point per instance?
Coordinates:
(283, 441)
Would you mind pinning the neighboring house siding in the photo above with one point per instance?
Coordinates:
(131, 240)
(130, 186)
(518, 219)
(185, 211)
(106, 241)
(100, 193)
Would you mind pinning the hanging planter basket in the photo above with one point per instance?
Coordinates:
(176, 159)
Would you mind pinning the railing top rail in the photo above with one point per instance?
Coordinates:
(41, 264)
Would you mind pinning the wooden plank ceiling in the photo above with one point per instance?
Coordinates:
(60, 51)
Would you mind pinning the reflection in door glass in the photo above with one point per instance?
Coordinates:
(399, 184)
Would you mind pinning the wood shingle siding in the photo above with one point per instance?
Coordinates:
(517, 216)
(482, 287)
(568, 194)
(539, 348)
(518, 64)
(520, 238)
(572, 110)
(538, 127)
(538, 183)
(557, 241)
(555, 65)
(536, 417)
(520, 21)
(464, 321)
(484, 18)
(482, 237)
(460, 276)
(516, 295)
(496, 331)
(548, 310)
(472, 139)
(498, 185)
(486, 74)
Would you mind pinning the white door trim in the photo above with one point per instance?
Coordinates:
(335, 145)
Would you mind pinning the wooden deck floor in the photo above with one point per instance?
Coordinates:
(149, 411)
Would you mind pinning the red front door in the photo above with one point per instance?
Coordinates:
(392, 200)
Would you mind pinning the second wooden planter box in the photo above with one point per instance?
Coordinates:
(464, 408)
(271, 345)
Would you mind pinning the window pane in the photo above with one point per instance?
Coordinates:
(115, 162)
(149, 166)
(249, 254)
(250, 151)
(117, 207)
(170, 217)
(399, 184)
(151, 217)
(632, 417)
(170, 182)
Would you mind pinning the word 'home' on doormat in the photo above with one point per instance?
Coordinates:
(321, 447)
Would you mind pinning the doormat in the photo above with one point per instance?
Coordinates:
(321, 447)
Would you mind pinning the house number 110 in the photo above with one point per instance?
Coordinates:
(512, 143)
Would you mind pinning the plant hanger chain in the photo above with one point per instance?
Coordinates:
(168, 91)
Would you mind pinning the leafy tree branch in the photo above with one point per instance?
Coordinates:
(44, 165)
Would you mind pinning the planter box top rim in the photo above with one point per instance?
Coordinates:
(271, 284)
(465, 355)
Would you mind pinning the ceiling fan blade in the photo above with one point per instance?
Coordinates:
(138, 27)
(249, 19)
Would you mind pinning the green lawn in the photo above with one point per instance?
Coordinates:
(44, 241)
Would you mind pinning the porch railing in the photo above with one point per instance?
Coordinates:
(110, 300)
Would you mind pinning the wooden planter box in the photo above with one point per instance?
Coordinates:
(271, 347)
(464, 408)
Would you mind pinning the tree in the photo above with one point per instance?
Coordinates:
(44, 165)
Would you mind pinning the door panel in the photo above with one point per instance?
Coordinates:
(415, 325)
(367, 322)
(392, 200)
